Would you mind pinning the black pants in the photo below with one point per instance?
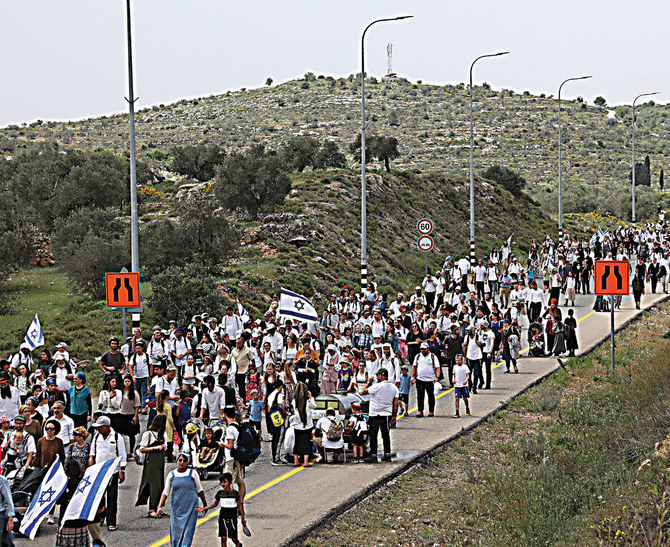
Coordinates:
(509, 361)
(654, 282)
(480, 289)
(585, 286)
(241, 381)
(423, 387)
(277, 434)
(451, 363)
(430, 300)
(109, 500)
(476, 377)
(534, 311)
(493, 289)
(487, 363)
(375, 423)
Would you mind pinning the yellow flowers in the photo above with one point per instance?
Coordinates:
(149, 192)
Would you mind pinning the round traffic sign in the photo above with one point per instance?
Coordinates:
(425, 243)
(424, 226)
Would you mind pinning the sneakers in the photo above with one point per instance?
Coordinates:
(50, 520)
(371, 459)
(506, 371)
(516, 369)
(277, 461)
(386, 458)
(457, 415)
(467, 413)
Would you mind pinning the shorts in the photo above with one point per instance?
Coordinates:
(404, 398)
(256, 425)
(461, 392)
(227, 527)
(236, 469)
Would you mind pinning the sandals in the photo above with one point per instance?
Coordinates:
(155, 514)
(111, 528)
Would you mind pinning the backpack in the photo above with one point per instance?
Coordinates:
(182, 412)
(248, 444)
(335, 430)
(277, 415)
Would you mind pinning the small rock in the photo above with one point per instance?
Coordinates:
(298, 241)
(320, 260)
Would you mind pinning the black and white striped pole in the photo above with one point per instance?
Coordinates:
(472, 173)
(364, 243)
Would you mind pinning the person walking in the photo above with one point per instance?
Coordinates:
(153, 446)
(6, 514)
(425, 372)
(303, 425)
(384, 402)
(570, 325)
(638, 288)
(186, 489)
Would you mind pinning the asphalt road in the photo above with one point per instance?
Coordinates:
(281, 501)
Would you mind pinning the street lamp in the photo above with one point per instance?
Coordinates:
(560, 172)
(636, 98)
(364, 251)
(472, 173)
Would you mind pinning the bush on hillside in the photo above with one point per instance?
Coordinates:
(178, 292)
(507, 178)
(198, 161)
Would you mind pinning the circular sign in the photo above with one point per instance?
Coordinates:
(425, 243)
(424, 226)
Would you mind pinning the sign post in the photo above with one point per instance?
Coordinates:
(611, 278)
(425, 242)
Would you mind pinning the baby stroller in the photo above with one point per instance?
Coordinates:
(535, 340)
(23, 486)
(214, 463)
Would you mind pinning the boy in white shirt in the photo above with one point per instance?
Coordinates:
(461, 379)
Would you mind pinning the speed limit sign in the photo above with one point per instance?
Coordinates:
(424, 226)
(425, 243)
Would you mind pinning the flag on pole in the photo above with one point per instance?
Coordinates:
(35, 337)
(244, 314)
(295, 305)
(509, 239)
(601, 233)
(86, 499)
(52, 487)
(592, 241)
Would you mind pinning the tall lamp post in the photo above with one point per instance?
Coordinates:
(364, 250)
(472, 172)
(560, 172)
(134, 240)
(634, 100)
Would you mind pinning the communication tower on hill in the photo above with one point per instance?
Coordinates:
(390, 75)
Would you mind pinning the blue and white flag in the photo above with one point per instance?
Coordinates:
(509, 240)
(295, 305)
(601, 233)
(592, 241)
(35, 337)
(86, 499)
(244, 314)
(52, 487)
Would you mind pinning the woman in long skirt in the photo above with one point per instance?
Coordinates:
(570, 326)
(186, 489)
(153, 446)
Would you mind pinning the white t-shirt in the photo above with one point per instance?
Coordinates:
(140, 365)
(382, 395)
(461, 374)
(324, 424)
(232, 432)
(425, 367)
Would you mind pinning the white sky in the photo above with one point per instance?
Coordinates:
(65, 59)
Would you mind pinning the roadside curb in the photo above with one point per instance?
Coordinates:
(337, 511)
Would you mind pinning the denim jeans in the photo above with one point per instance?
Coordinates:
(6, 538)
(142, 387)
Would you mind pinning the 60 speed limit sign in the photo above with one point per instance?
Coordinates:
(424, 226)
(425, 243)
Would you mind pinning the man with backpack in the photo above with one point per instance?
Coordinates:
(230, 444)
(331, 439)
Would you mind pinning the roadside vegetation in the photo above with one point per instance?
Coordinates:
(558, 466)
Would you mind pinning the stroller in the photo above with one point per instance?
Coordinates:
(23, 486)
(214, 463)
(535, 340)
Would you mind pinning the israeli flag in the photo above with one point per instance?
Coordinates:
(244, 314)
(601, 233)
(509, 240)
(35, 337)
(52, 487)
(295, 305)
(86, 499)
(592, 241)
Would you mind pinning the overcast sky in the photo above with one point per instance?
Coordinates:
(65, 59)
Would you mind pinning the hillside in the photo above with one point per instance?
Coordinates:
(431, 123)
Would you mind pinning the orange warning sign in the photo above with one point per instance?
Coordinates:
(122, 290)
(612, 277)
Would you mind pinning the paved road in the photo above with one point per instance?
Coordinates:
(281, 501)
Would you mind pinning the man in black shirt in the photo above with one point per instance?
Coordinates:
(113, 363)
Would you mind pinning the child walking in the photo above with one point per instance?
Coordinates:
(359, 430)
(403, 388)
(229, 501)
(461, 379)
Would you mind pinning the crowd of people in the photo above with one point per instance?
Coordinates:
(448, 332)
